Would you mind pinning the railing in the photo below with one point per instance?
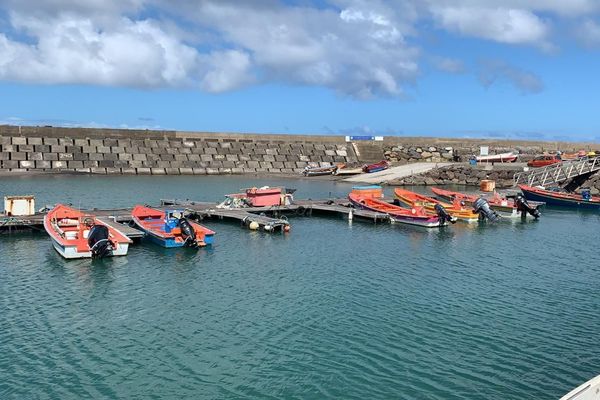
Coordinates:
(557, 173)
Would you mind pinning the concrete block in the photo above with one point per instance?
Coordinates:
(97, 142)
(131, 150)
(218, 157)
(111, 156)
(212, 171)
(26, 148)
(164, 164)
(18, 156)
(216, 164)
(90, 164)
(19, 140)
(82, 142)
(212, 143)
(304, 158)
(143, 171)
(136, 164)
(9, 148)
(125, 156)
(96, 156)
(167, 157)
(248, 170)
(98, 170)
(41, 148)
(145, 150)
(4, 156)
(301, 164)
(281, 158)
(59, 164)
(35, 156)
(287, 171)
(231, 157)
(174, 144)
(225, 171)
(225, 145)
(88, 149)
(43, 164)
(268, 158)
(193, 157)
(266, 165)
(158, 150)
(10, 164)
(171, 150)
(73, 149)
(272, 152)
(110, 142)
(341, 153)
(58, 149)
(75, 164)
(128, 171)
(277, 164)
(84, 170)
(123, 142)
(51, 141)
(172, 171)
(117, 149)
(188, 143)
(243, 157)
(186, 171)
(50, 156)
(113, 171)
(5, 140)
(197, 150)
(199, 171)
(81, 156)
(158, 171)
(27, 164)
(253, 164)
(103, 149)
(330, 152)
(228, 164)
(210, 150)
(65, 156)
(66, 141)
(237, 170)
(206, 157)
(184, 150)
(140, 157)
(121, 164)
(259, 151)
(181, 157)
(106, 164)
(151, 143)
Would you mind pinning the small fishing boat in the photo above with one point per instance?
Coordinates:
(346, 170)
(169, 228)
(380, 166)
(505, 207)
(562, 199)
(456, 209)
(317, 171)
(264, 196)
(501, 158)
(589, 390)
(76, 234)
(371, 198)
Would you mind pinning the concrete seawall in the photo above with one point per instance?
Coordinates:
(125, 151)
(118, 151)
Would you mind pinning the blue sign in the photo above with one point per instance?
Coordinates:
(353, 138)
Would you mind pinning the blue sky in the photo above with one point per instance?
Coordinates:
(472, 68)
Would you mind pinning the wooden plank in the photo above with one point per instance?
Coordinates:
(130, 232)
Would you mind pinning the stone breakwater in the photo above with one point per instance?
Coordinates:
(460, 174)
(107, 151)
(409, 154)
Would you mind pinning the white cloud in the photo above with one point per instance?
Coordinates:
(450, 65)
(526, 82)
(588, 33)
(505, 25)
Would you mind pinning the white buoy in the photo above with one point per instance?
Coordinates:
(350, 215)
(253, 226)
(268, 227)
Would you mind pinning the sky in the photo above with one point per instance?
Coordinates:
(524, 69)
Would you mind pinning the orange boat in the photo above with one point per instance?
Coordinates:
(76, 234)
(456, 209)
(371, 198)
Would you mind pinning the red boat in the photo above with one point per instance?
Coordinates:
(76, 234)
(380, 166)
(259, 197)
(543, 161)
(169, 228)
(371, 198)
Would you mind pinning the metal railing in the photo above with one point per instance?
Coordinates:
(557, 173)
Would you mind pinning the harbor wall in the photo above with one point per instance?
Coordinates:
(127, 151)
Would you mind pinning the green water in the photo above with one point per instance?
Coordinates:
(331, 310)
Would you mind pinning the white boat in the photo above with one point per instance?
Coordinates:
(501, 158)
(589, 390)
(348, 171)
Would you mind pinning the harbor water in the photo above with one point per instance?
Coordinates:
(333, 309)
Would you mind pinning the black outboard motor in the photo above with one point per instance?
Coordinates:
(443, 215)
(98, 241)
(188, 232)
(482, 207)
(523, 207)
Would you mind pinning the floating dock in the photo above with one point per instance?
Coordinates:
(270, 219)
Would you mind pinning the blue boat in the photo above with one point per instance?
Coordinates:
(562, 199)
(170, 229)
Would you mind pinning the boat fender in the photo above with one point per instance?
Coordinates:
(301, 210)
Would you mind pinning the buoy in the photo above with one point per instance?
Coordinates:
(268, 227)
(253, 226)
(287, 228)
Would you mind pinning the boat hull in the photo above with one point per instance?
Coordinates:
(552, 200)
(71, 253)
(426, 222)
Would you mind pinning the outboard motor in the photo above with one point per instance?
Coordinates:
(482, 207)
(187, 232)
(98, 241)
(523, 207)
(443, 215)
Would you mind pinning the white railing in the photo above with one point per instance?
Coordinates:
(557, 173)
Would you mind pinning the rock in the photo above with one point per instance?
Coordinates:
(426, 154)
(431, 149)
(447, 156)
(449, 148)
